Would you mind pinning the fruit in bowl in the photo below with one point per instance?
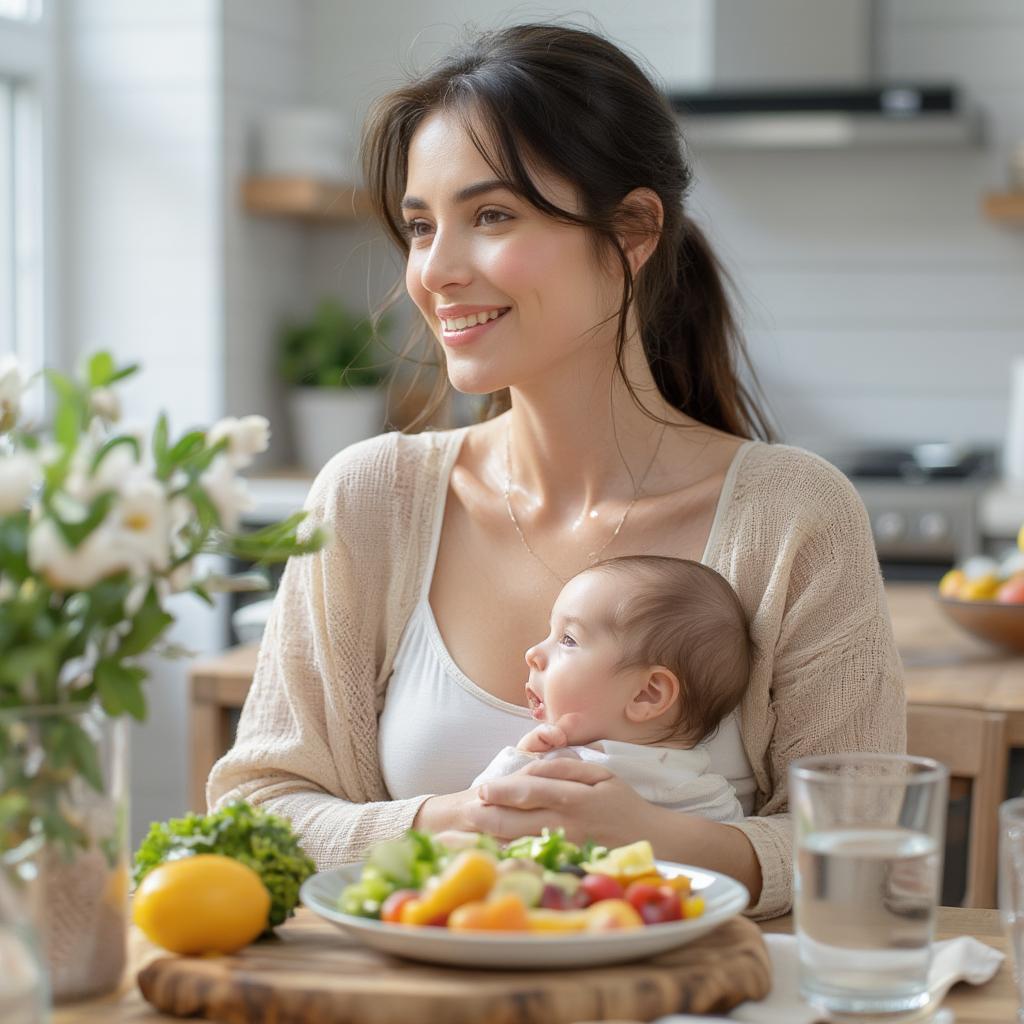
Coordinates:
(985, 597)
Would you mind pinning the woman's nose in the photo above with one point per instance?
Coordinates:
(446, 266)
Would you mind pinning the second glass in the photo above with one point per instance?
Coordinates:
(868, 840)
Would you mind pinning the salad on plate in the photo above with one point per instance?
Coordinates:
(468, 882)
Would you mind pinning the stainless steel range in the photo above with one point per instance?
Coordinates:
(923, 503)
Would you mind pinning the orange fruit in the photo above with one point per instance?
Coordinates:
(201, 904)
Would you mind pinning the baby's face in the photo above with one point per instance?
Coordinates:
(573, 669)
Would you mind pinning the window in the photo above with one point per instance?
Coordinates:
(26, 90)
(21, 10)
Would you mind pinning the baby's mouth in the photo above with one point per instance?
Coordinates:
(535, 703)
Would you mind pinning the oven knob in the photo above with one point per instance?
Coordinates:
(933, 526)
(890, 526)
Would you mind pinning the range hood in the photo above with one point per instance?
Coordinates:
(801, 74)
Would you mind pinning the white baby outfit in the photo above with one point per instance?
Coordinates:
(676, 779)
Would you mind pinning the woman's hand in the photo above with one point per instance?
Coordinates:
(588, 801)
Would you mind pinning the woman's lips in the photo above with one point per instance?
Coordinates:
(467, 335)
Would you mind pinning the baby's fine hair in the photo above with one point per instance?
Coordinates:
(685, 616)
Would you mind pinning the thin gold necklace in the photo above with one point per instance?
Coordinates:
(594, 555)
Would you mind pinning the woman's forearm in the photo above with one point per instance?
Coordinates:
(706, 844)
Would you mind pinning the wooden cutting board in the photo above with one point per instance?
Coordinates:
(312, 973)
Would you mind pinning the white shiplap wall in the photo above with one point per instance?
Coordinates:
(880, 304)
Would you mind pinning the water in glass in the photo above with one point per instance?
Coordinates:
(865, 915)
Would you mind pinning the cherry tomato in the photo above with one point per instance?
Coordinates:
(600, 887)
(655, 904)
(391, 908)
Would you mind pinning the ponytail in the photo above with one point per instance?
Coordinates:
(690, 338)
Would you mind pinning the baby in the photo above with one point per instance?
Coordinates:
(645, 656)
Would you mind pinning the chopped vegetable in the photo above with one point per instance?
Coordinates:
(468, 877)
(552, 850)
(261, 841)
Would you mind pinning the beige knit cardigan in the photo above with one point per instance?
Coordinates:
(790, 535)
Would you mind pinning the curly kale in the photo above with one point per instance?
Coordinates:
(261, 841)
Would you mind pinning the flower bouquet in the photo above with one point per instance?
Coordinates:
(99, 527)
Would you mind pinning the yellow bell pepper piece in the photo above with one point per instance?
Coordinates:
(468, 877)
(625, 862)
(542, 919)
(692, 906)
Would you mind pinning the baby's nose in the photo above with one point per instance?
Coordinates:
(533, 656)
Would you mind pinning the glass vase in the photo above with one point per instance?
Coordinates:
(24, 996)
(63, 779)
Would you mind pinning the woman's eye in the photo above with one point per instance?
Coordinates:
(490, 217)
(567, 640)
(416, 228)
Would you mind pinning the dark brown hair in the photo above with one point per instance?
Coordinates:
(685, 616)
(572, 102)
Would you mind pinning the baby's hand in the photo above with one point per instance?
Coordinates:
(542, 739)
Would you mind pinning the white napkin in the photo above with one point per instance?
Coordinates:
(962, 959)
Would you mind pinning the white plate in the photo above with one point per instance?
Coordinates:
(723, 898)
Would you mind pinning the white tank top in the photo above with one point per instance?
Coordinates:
(439, 730)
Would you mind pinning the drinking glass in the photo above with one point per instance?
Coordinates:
(24, 995)
(868, 839)
(1011, 887)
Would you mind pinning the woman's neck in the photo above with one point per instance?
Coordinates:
(573, 445)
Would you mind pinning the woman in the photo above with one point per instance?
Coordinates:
(536, 184)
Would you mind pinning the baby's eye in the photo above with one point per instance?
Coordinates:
(567, 641)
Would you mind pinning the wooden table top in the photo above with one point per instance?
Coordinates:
(992, 1003)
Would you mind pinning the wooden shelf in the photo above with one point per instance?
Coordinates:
(305, 199)
(1005, 207)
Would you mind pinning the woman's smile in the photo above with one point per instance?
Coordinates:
(459, 328)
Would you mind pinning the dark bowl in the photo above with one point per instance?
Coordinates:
(998, 623)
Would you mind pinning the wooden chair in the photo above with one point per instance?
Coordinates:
(973, 745)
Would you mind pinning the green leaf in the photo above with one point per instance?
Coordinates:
(67, 426)
(189, 445)
(125, 371)
(160, 447)
(84, 755)
(109, 446)
(147, 625)
(100, 369)
(201, 592)
(75, 533)
(119, 688)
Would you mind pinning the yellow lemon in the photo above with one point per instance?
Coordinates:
(202, 904)
(1020, 538)
(981, 589)
(951, 584)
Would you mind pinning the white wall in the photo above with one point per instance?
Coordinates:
(266, 45)
(880, 304)
(143, 269)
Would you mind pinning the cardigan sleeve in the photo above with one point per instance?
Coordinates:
(836, 678)
(306, 741)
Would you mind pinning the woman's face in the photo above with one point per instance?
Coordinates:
(511, 294)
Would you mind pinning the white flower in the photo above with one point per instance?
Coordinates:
(19, 474)
(66, 568)
(11, 387)
(247, 437)
(140, 521)
(105, 403)
(229, 494)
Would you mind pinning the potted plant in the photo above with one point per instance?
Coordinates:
(98, 529)
(335, 374)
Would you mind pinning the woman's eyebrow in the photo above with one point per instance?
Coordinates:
(469, 192)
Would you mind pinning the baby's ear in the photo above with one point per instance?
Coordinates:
(659, 690)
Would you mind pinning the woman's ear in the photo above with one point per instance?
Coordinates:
(658, 691)
(641, 215)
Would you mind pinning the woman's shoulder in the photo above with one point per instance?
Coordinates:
(392, 465)
(794, 479)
